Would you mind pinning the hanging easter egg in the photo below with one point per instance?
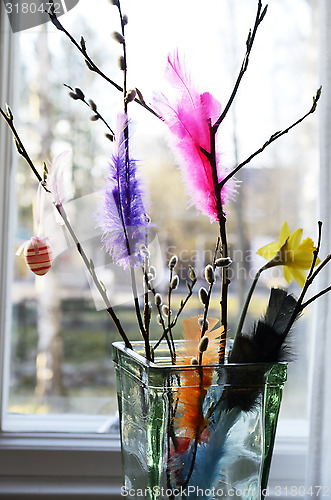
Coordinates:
(38, 255)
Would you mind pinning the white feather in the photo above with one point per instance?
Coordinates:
(59, 179)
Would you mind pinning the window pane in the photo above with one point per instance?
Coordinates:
(62, 335)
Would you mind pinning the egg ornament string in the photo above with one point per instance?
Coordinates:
(37, 251)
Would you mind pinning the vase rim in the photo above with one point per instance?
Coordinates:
(160, 366)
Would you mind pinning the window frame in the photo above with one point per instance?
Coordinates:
(61, 464)
(6, 93)
(40, 464)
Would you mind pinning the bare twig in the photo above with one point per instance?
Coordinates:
(78, 94)
(89, 62)
(316, 251)
(169, 312)
(147, 309)
(249, 45)
(121, 39)
(310, 278)
(272, 139)
(211, 283)
(183, 303)
(9, 118)
(88, 263)
(222, 229)
(317, 296)
(158, 305)
(211, 157)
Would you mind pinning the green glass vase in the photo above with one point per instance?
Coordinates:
(195, 431)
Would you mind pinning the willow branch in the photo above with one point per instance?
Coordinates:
(249, 45)
(90, 267)
(183, 303)
(78, 94)
(211, 156)
(310, 278)
(89, 62)
(317, 296)
(147, 310)
(9, 118)
(162, 323)
(272, 139)
(316, 251)
(144, 333)
(209, 293)
(169, 327)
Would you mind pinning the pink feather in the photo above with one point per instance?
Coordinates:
(188, 115)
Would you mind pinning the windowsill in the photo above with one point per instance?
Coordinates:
(53, 465)
(292, 428)
(60, 465)
(99, 424)
(58, 488)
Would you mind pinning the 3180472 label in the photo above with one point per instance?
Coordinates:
(29, 14)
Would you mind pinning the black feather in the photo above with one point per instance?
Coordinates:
(266, 343)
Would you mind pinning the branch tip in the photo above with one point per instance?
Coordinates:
(83, 43)
(9, 113)
(263, 14)
(316, 99)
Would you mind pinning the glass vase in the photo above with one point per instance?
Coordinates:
(195, 431)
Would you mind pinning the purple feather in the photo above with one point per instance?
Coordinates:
(122, 216)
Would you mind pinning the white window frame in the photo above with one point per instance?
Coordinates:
(40, 464)
(77, 465)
